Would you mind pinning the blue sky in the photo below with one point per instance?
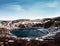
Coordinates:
(29, 9)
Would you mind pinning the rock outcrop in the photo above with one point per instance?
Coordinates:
(27, 23)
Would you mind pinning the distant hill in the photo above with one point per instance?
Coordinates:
(56, 19)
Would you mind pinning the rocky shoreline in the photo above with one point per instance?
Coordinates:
(48, 23)
(8, 39)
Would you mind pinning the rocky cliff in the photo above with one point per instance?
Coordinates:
(27, 23)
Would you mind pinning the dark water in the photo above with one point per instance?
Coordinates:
(32, 32)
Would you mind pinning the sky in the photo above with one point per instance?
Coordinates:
(29, 9)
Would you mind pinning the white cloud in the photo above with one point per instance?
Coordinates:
(16, 8)
(33, 12)
(52, 4)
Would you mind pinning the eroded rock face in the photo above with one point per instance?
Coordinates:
(57, 37)
(27, 23)
(4, 32)
(48, 24)
(23, 23)
(37, 25)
